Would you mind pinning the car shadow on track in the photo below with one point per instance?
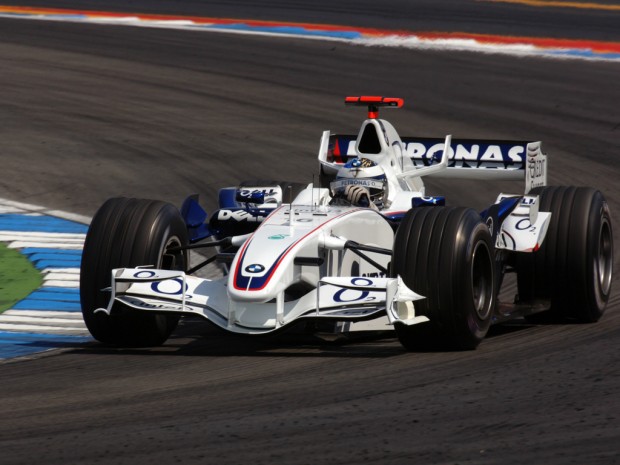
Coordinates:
(198, 338)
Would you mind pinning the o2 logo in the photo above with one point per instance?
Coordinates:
(145, 274)
(167, 286)
(170, 287)
(354, 295)
(525, 224)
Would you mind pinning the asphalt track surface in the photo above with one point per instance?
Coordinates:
(89, 112)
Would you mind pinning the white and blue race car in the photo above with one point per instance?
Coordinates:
(367, 249)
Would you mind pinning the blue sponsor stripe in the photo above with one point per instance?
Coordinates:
(53, 305)
(28, 223)
(20, 344)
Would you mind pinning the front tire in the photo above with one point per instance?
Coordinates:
(126, 233)
(574, 266)
(446, 255)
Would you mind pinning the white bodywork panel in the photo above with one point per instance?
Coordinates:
(295, 245)
(344, 298)
(525, 228)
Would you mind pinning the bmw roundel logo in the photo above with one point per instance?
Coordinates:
(254, 268)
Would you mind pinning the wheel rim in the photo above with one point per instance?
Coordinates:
(604, 259)
(173, 259)
(482, 280)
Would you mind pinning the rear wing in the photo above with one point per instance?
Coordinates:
(468, 158)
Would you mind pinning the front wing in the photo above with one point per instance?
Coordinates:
(336, 298)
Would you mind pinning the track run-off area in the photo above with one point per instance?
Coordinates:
(165, 99)
(455, 41)
(49, 314)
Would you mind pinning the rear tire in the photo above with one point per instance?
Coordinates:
(127, 233)
(446, 255)
(574, 266)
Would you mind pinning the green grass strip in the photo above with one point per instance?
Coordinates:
(18, 277)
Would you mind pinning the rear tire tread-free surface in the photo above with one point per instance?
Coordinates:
(574, 266)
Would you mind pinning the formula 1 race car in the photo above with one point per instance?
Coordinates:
(366, 249)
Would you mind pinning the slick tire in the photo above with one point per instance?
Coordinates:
(446, 255)
(128, 233)
(574, 266)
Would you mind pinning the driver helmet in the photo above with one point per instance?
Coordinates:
(364, 173)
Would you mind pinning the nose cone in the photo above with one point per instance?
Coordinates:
(263, 267)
